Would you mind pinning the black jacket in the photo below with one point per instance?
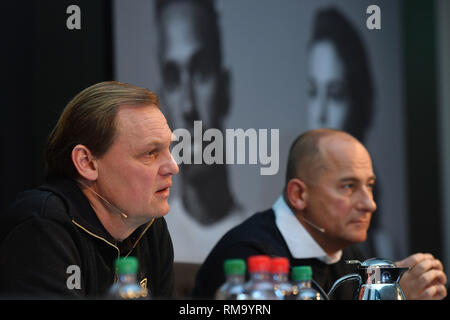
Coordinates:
(53, 227)
(260, 235)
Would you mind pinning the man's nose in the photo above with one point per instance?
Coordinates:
(169, 167)
(366, 202)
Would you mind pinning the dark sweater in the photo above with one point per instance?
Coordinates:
(260, 235)
(53, 227)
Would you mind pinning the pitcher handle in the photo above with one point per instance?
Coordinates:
(338, 282)
(319, 288)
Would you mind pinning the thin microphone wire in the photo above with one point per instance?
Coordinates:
(313, 225)
(106, 201)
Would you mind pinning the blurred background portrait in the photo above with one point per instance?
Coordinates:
(340, 93)
(195, 87)
(255, 64)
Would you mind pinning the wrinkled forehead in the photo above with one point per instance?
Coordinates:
(141, 123)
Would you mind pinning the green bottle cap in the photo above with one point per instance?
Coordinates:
(127, 265)
(234, 266)
(302, 273)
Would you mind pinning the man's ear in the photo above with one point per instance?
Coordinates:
(84, 162)
(297, 194)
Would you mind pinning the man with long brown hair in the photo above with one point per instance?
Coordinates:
(109, 173)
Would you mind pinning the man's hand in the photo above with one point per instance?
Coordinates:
(425, 279)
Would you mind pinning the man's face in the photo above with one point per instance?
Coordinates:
(341, 199)
(328, 102)
(135, 174)
(190, 72)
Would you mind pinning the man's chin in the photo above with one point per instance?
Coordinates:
(358, 238)
(354, 236)
(160, 210)
(163, 211)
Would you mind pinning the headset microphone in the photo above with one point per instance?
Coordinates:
(313, 225)
(106, 201)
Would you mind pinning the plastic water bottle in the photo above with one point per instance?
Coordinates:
(302, 276)
(235, 278)
(127, 286)
(260, 284)
(280, 276)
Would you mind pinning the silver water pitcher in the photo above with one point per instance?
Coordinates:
(378, 280)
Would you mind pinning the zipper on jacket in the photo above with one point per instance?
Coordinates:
(97, 236)
(113, 245)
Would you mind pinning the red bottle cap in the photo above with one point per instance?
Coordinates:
(259, 263)
(279, 265)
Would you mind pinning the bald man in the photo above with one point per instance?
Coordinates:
(326, 206)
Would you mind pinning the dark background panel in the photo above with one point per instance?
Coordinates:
(421, 109)
(47, 64)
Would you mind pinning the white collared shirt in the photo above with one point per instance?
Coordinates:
(299, 241)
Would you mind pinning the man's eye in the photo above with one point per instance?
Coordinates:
(348, 186)
(152, 154)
